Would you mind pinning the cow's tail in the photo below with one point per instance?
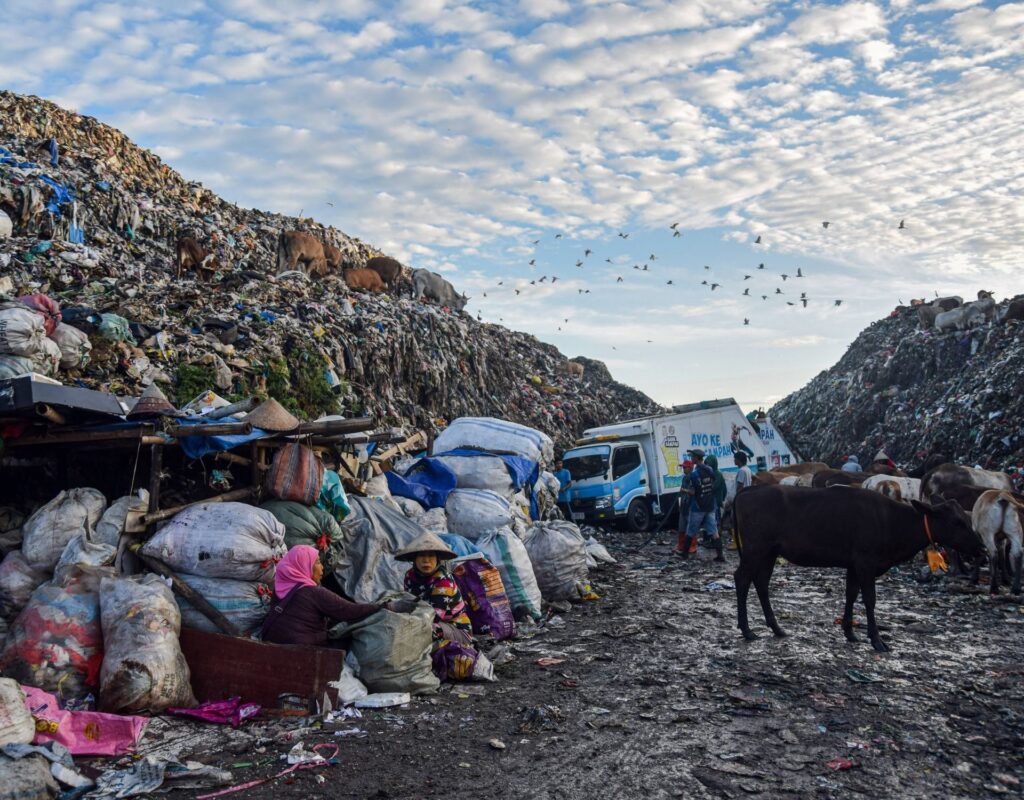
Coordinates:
(282, 253)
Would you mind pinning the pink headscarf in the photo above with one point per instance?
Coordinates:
(295, 569)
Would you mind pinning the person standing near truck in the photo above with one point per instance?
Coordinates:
(564, 478)
(702, 507)
(683, 509)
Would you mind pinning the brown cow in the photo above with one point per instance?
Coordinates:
(192, 255)
(760, 478)
(946, 476)
(574, 370)
(366, 279)
(389, 269)
(298, 247)
(333, 256)
(802, 468)
(838, 477)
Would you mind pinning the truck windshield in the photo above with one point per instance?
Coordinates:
(586, 466)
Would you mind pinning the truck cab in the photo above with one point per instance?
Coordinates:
(610, 483)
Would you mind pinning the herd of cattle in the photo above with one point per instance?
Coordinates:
(952, 313)
(298, 250)
(867, 523)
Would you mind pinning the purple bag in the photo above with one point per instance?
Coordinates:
(454, 662)
(231, 712)
(486, 602)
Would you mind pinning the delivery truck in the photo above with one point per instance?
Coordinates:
(630, 472)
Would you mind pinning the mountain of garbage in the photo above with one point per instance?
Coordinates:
(92, 221)
(913, 389)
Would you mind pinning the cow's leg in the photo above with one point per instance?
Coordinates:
(742, 577)
(1016, 564)
(867, 588)
(993, 571)
(852, 590)
(761, 580)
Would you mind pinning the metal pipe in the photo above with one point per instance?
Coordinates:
(241, 407)
(50, 414)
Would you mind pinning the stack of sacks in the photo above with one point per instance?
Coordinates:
(33, 339)
(228, 553)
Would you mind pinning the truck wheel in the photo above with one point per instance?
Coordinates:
(638, 516)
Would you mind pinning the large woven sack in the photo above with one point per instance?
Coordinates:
(309, 525)
(46, 360)
(473, 512)
(47, 532)
(558, 553)
(506, 552)
(487, 603)
(56, 642)
(495, 436)
(74, 346)
(46, 307)
(22, 331)
(393, 650)
(143, 666)
(480, 472)
(112, 523)
(81, 552)
(18, 579)
(244, 603)
(296, 474)
(221, 540)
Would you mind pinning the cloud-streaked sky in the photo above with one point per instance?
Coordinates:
(456, 134)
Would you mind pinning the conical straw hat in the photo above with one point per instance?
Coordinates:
(427, 543)
(270, 415)
(153, 403)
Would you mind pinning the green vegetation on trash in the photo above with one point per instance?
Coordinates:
(192, 380)
(300, 384)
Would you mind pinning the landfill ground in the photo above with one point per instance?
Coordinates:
(658, 696)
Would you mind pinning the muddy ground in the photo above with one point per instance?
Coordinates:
(658, 696)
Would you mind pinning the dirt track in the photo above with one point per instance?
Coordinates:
(658, 696)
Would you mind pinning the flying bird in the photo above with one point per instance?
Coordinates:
(804, 301)
(669, 283)
(764, 297)
(839, 302)
(652, 257)
(558, 236)
(746, 292)
(644, 268)
(586, 291)
(706, 267)
(636, 266)
(676, 234)
(542, 279)
(746, 321)
(760, 266)
(902, 226)
(533, 262)
(715, 286)
(703, 283)
(784, 276)
(757, 240)
(579, 263)
(608, 260)
(587, 252)
(747, 277)
(788, 303)
(500, 283)
(778, 291)
(485, 294)
(674, 225)
(517, 292)
(799, 272)
(623, 235)
(533, 283)
(618, 280)
(554, 278)
(536, 241)
(825, 225)
(566, 319)
(330, 204)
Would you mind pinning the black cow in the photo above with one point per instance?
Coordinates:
(864, 532)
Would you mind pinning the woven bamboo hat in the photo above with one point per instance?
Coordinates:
(427, 543)
(153, 403)
(270, 415)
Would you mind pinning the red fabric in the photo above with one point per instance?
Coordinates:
(50, 309)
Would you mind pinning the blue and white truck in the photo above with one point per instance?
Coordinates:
(630, 472)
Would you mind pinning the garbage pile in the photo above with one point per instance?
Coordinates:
(915, 391)
(89, 224)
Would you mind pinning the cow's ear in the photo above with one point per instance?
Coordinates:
(924, 508)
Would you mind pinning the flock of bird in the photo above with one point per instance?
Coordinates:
(800, 300)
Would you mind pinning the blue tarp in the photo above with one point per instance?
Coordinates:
(6, 157)
(429, 482)
(460, 545)
(61, 194)
(199, 446)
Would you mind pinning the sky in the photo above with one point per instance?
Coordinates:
(497, 142)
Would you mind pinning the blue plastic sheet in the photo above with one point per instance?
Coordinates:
(199, 446)
(8, 158)
(429, 482)
(460, 545)
(61, 194)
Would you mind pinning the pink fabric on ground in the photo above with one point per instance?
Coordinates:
(83, 733)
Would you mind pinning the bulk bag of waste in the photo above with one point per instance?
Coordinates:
(309, 525)
(558, 553)
(46, 360)
(295, 474)
(472, 512)
(372, 532)
(487, 604)
(18, 579)
(495, 436)
(46, 307)
(83, 733)
(81, 552)
(244, 603)
(480, 472)
(22, 331)
(393, 650)
(13, 366)
(47, 532)
(112, 523)
(16, 724)
(435, 520)
(508, 554)
(143, 666)
(74, 346)
(221, 540)
(56, 642)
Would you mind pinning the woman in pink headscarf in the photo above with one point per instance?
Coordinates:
(303, 610)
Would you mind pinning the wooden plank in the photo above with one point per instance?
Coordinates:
(258, 672)
(214, 429)
(129, 436)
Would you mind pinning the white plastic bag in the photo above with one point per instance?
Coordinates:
(473, 512)
(16, 724)
(598, 552)
(81, 551)
(22, 331)
(350, 688)
(111, 524)
(143, 666)
(221, 540)
(495, 436)
(559, 556)
(18, 579)
(48, 531)
(506, 552)
(74, 346)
